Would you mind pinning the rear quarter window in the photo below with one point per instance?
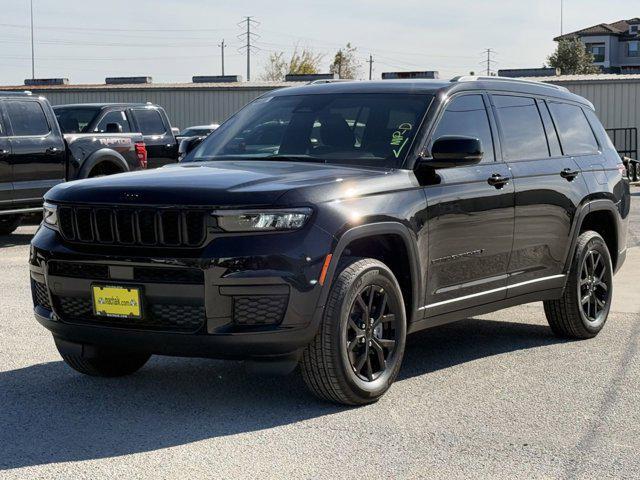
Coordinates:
(27, 118)
(150, 122)
(576, 135)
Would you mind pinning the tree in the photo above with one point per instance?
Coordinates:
(346, 63)
(301, 62)
(572, 58)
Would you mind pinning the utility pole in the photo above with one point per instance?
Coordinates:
(370, 62)
(489, 62)
(222, 45)
(33, 60)
(248, 36)
(561, 17)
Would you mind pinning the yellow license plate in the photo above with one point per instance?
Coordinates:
(112, 301)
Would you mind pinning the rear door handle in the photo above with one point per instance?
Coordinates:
(569, 174)
(51, 150)
(4, 153)
(497, 180)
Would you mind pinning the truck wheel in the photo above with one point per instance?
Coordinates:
(8, 223)
(356, 354)
(105, 363)
(583, 309)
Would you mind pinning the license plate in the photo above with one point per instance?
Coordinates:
(113, 301)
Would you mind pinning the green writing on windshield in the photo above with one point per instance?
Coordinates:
(399, 138)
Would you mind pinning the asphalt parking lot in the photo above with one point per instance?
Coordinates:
(492, 396)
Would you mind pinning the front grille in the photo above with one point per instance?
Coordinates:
(157, 316)
(259, 310)
(91, 271)
(78, 270)
(169, 227)
(40, 294)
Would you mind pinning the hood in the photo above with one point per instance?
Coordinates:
(221, 183)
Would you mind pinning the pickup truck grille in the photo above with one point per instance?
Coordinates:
(147, 227)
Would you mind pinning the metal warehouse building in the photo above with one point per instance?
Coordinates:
(186, 103)
(616, 98)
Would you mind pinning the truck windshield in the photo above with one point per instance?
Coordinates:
(360, 129)
(75, 119)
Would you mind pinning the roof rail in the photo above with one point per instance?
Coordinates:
(329, 80)
(475, 78)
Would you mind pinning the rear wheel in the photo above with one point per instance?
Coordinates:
(105, 362)
(8, 223)
(357, 353)
(583, 309)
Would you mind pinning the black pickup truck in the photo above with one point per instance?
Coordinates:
(35, 155)
(148, 119)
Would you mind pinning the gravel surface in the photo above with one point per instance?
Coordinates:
(496, 396)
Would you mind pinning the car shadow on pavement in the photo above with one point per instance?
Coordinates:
(15, 239)
(50, 414)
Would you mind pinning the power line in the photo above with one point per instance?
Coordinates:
(248, 36)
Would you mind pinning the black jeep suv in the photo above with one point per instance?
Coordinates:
(322, 224)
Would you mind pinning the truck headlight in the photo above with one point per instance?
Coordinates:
(262, 220)
(50, 215)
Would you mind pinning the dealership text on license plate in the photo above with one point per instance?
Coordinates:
(114, 301)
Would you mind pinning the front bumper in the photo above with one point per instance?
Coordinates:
(237, 297)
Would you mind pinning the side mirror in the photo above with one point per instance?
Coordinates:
(113, 128)
(187, 145)
(450, 151)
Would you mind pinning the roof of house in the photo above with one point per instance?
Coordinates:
(597, 78)
(616, 28)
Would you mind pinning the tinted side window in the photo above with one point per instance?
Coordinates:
(522, 128)
(467, 116)
(150, 122)
(27, 118)
(575, 132)
(114, 117)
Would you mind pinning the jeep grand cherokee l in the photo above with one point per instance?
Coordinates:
(322, 224)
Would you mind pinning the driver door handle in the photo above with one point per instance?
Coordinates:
(51, 150)
(498, 181)
(3, 152)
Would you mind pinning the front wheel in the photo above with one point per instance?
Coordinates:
(584, 307)
(358, 350)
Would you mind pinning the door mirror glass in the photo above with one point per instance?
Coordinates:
(187, 145)
(454, 151)
(113, 128)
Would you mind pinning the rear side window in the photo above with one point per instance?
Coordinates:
(575, 132)
(467, 117)
(522, 128)
(150, 122)
(27, 118)
(118, 117)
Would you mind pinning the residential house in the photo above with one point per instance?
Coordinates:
(615, 46)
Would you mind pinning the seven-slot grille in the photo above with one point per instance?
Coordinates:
(170, 227)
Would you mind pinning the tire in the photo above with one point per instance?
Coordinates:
(330, 362)
(105, 363)
(570, 317)
(8, 223)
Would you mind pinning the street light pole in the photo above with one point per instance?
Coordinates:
(33, 61)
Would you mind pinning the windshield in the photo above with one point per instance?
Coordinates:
(75, 120)
(360, 129)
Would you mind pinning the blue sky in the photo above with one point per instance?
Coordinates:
(173, 40)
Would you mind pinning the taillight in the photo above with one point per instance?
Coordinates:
(623, 170)
(141, 153)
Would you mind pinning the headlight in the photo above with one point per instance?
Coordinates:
(262, 220)
(50, 215)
